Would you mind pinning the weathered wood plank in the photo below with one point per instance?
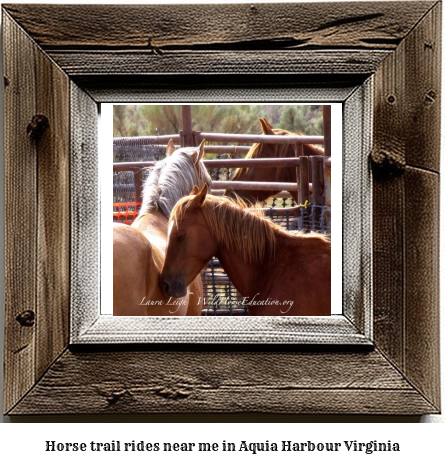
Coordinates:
(389, 159)
(357, 209)
(388, 268)
(81, 62)
(219, 382)
(406, 132)
(377, 25)
(53, 225)
(423, 90)
(407, 118)
(422, 322)
(20, 213)
(85, 211)
(397, 378)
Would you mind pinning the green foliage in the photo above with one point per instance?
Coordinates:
(143, 120)
(299, 118)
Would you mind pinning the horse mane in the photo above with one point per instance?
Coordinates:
(245, 231)
(280, 151)
(171, 179)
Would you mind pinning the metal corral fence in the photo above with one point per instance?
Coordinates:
(133, 157)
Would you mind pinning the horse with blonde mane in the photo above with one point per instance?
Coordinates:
(277, 273)
(264, 150)
(139, 249)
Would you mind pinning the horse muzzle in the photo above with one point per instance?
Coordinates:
(173, 288)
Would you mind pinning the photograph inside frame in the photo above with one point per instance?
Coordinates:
(223, 210)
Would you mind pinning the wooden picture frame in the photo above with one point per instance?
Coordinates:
(57, 71)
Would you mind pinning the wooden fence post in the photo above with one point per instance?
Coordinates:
(327, 130)
(318, 184)
(303, 180)
(186, 133)
(299, 152)
(318, 189)
(196, 138)
(138, 182)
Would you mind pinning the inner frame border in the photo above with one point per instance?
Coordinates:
(354, 326)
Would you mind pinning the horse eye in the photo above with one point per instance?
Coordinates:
(181, 237)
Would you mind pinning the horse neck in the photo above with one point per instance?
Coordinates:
(152, 222)
(243, 275)
(244, 270)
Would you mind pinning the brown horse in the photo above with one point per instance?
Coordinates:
(276, 272)
(264, 150)
(139, 249)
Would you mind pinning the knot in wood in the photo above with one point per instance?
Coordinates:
(430, 97)
(26, 318)
(172, 393)
(387, 162)
(391, 99)
(37, 126)
(114, 397)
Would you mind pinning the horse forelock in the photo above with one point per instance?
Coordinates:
(245, 231)
(170, 180)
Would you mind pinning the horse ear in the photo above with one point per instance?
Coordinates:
(199, 198)
(170, 147)
(266, 127)
(195, 190)
(200, 152)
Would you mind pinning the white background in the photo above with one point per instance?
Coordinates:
(21, 439)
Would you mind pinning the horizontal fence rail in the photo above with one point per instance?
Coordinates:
(145, 140)
(230, 149)
(220, 137)
(256, 186)
(218, 187)
(229, 163)
(252, 138)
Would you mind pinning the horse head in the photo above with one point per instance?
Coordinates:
(190, 244)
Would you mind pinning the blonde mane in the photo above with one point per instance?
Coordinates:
(246, 232)
(171, 179)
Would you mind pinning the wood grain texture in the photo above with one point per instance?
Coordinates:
(134, 48)
(423, 92)
(20, 212)
(85, 212)
(161, 39)
(408, 99)
(53, 225)
(388, 268)
(104, 62)
(422, 324)
(39, 175)
(389, 152)
(212, 381)
(405, 219)
(357, 209)
(333, 330)
(241, 26)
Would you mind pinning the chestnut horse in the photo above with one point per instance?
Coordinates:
(139, 249)
(264, 150)
(276, 272)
